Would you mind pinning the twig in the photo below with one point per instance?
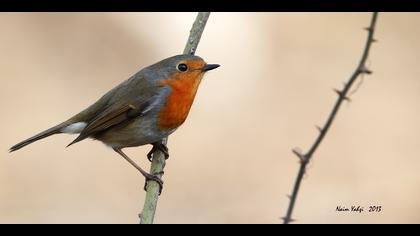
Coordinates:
(158, 162)
(342, 96)
(196, 32)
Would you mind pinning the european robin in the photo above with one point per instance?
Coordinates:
(143, 109)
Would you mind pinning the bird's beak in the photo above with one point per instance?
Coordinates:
(208, 67)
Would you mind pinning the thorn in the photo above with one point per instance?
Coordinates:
(374, 41)
(319, 128)
(367, 28)
(365, 70)
(288, 196)
(297, 153)
(302, 158)
(340, 93)
(290, 220)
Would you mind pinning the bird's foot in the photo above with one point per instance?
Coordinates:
(156, 178)
(158, 146)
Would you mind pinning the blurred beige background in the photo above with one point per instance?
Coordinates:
(231, 161)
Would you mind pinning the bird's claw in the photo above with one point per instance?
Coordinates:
(158, 146)
(155, 178)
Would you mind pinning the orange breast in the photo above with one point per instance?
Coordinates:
(178, 104)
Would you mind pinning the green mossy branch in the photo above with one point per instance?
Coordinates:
(158, 162)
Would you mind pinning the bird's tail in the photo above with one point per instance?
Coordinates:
(54, 130)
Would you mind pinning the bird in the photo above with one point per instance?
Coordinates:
(144, 109)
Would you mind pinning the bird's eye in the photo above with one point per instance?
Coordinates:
(182, 67)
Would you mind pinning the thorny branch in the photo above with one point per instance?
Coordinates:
(342, 96)
(158, 162)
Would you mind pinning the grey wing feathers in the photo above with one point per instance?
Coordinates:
(111, 117)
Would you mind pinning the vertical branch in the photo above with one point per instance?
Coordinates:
(196, 32)
(158, 162)
(342, 96)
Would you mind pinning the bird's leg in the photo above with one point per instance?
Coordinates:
(158, 146)
(146, 175)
